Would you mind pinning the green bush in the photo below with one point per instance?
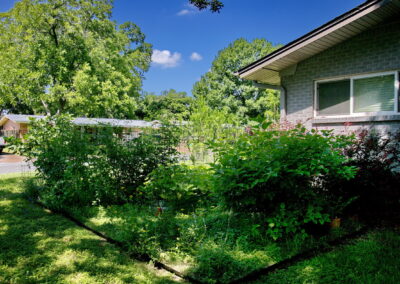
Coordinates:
(181, 187)
(134, 160)
(281, 175)
(376, 184)
(79, 168)
(207, 124)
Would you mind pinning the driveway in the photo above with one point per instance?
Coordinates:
(14, 164)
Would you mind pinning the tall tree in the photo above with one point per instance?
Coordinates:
(170, 105)
(222, 89)
(70, 56)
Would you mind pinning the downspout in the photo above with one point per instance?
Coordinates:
(283, 103)
(282, 90)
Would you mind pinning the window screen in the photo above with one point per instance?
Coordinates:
(334, 98)
(374, 94)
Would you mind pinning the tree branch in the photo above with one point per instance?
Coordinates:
(46, 107)
(54, 34)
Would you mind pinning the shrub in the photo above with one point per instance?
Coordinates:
(79, 168)
(207, 124)
(132, 161)
(376, 184)
(281, 174)
(182, 187)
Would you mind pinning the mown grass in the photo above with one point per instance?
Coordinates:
(372, 259)
(37, 246)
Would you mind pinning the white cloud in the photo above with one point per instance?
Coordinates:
(196, 56)
(189, 9)
(184, 12)
(166, 58)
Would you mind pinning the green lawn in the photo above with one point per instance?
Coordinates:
(372, 259)
(39, 247)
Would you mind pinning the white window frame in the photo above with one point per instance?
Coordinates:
(352, 78)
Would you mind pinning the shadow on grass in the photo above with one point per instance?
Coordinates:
(219, 246)
(222, 252)
(37, 246)
(374, 258)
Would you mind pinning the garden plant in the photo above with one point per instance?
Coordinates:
(257, 202)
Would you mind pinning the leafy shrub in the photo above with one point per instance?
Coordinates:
(282, 174)
(79, 168)
(134, 160)
(207, 124)
(182, 187)
(376, 184)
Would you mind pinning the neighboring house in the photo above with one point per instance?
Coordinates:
(17, 125)
(343, 75)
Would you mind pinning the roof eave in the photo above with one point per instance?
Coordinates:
(312, 36)
(3, 120)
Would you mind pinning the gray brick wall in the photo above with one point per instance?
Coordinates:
(375, 50)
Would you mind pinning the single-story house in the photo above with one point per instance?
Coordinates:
(18, 124)
(343, 75)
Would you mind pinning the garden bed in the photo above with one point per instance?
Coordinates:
(211, 245)
(270, 194)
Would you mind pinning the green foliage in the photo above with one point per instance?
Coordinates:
(69, 56)
(224, 246)
(170, 105)
(217, 265)
(371, 259)
(216, 245)
(181, 187)
(132, 161)
(377, 158)
(222, 89)
(281, 174)
(207, 125)
(81, 168)
(213, 5)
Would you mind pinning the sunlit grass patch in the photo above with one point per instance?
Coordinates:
(39, 247)
(374, 258)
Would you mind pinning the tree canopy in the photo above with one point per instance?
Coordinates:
(171, 105)
(222, 89)
(213, 5)
(69, 56)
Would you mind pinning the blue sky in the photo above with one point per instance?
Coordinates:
(176, 31)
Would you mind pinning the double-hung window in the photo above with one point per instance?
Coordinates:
(372, 94)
